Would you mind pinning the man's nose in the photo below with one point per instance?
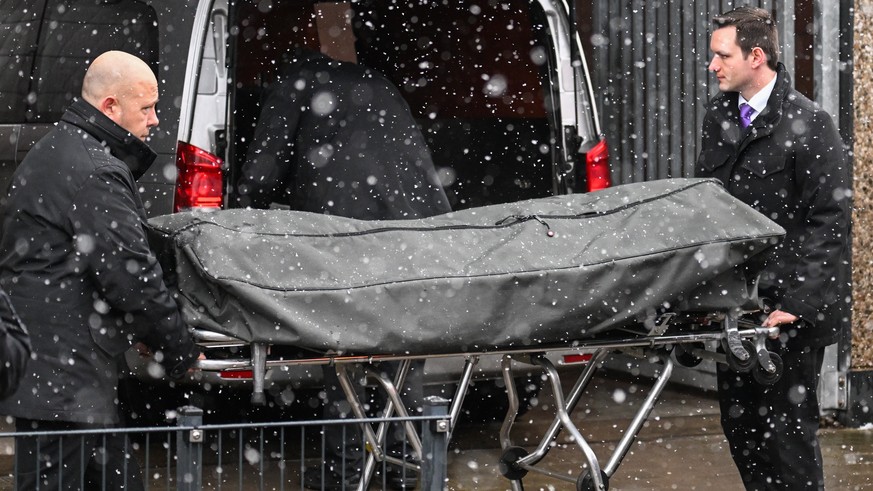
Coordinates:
(153, 119)
(713, 67)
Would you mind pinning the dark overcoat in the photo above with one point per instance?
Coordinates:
(75, 261)
(14, 347)
(337, 138)
(790, 165)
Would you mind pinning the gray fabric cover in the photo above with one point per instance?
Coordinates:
(473, 280)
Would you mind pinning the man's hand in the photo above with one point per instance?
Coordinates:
(779, 317)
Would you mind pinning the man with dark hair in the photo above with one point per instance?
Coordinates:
(754, 29)
(76, 264)
(777, 151)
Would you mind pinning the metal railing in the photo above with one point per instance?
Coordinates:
(193, 456)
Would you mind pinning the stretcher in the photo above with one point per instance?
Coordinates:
(659, 267)
(723, 337)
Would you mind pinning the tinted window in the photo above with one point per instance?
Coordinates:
(45, 46)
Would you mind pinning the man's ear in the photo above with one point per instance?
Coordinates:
(109, 106)
(758, 57)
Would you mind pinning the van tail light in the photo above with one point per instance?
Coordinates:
(597, 167)
(199, 180)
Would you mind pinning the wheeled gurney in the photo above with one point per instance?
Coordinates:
(652, 266)
(688, 337)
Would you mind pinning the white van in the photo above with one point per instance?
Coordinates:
(500, 89)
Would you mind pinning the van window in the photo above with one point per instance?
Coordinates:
(45, 46)
(475, 75)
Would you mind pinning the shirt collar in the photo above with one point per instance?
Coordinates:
(759, 100)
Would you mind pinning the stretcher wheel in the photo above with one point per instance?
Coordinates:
(508, 467)
(764, 377)
(746, 365)
(683, 355)
(585, 483)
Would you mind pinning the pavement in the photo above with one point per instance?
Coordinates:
(680, 447)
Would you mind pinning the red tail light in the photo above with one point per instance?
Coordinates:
(199, 183)
(597, 165)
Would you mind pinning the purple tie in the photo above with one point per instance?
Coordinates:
(746, 114)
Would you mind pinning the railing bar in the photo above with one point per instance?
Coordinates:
(169, 447)
(15, 462)
(82, 461)
(239, 451)
(350, 421)
(103, 467)
(127, 447)
(231, 426)
(323, 455)
(219, 469)
(60, 467)
(393, 419)
(146, 479)
(60, 457)
(262, 459)
(302, 453)
(342, 457)
(36, 456)
(281, 459)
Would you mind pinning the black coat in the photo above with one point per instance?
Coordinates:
(791, 166)
(14, 347)
(75, 262)
(337, 138)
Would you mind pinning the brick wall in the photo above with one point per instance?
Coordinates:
(862, 275)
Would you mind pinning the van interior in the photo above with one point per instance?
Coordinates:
(475, 75)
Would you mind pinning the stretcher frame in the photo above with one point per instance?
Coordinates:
(739, 343)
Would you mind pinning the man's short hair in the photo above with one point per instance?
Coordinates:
(755, 28)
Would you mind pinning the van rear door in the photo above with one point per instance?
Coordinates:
(492, 85)
(202, 122)
(583, 149)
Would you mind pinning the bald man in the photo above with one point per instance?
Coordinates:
(75, 261)
(123, 87)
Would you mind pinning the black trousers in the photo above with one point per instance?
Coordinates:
(91, 462)
(772, 429)
(344, 443)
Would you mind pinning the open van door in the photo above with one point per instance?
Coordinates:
(583, 148)
(200, 152)
(500, 91)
